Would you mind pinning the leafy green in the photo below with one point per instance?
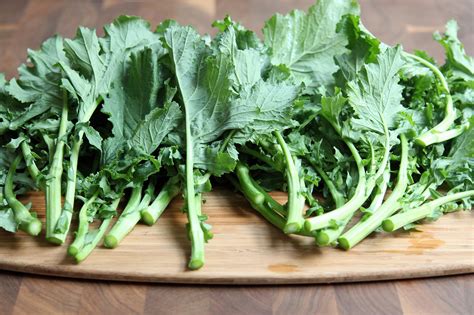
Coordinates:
(458, 63)
(307, 42)
(38, 85)
(319, 108)
(458, 167)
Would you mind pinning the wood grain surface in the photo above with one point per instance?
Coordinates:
(247, 250)
(26, 23)
(46, 295)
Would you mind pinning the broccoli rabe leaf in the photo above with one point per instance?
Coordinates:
(38, 85)
(332, 107)
(458, 167)
(203, 81)
(206, 87)
(363, 48)
(134, 93)
(458, 62)
(264, 107)
(96, 64)
(92, 135)
(84, 75)
(244, 38)
(154, 127)
(122, 37)
(376, 95)
(213, 159)
(7, 219)
(307, 42)
(138, 120)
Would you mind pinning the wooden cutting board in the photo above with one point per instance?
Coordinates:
(247, 250)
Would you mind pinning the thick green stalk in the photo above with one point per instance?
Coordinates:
(296, 200)
(344, 213)
(377, 201)
(341, 213)
(260, 200)
(64, 221)
(88, 247)
(121, 227)
(329, 236)
(196, 233)
(23, 217)
(439, 137)
(440, 132)
(382, 166)
(170, 190)
(53, 181)
(272, 203)
(358, 232)
(256, 198)
(399, 220)
(83, 227)
(268, 200)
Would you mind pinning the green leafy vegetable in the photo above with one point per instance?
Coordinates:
(319, 108)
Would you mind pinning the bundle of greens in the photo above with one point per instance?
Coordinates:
(362, 136)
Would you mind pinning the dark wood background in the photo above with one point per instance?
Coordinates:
(26, 23)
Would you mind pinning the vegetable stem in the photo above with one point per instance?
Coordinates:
(438, 137)
(357, 200)
(296, 201)
(433, 136)
(64, 221)
(30, 164)
(86, 250)
(53, 182)
(383, 164)
(196, 234)
(151, 213)
(261, 201)
(380, 191)
(256, 198)
(336, 195)
(329, 236)
(23, 217)
(392, 204)
(127, 219)
(399, 220)
(83, 227)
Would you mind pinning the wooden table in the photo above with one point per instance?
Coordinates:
(26, 23)
(43, 295)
